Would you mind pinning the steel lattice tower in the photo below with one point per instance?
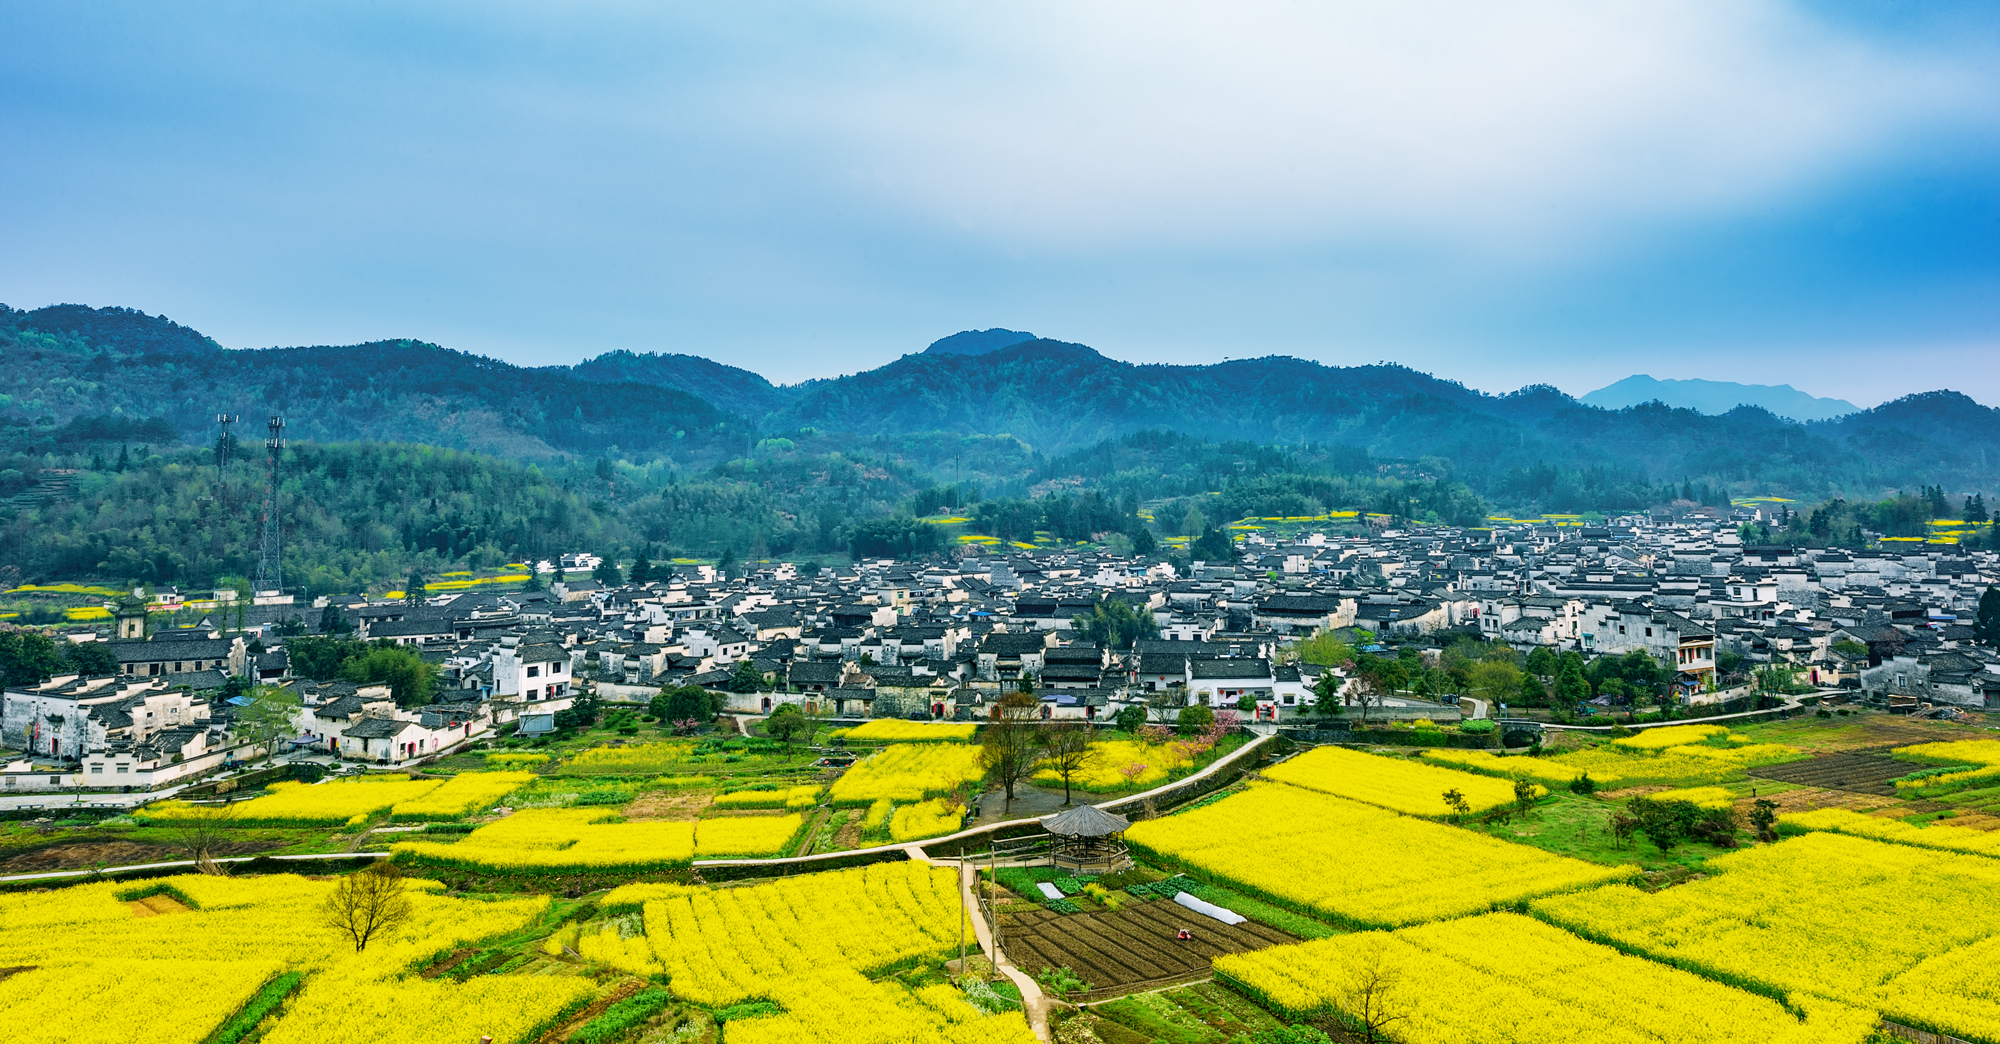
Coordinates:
(270, 574)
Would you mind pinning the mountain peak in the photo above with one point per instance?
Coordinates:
(977, 342)
(1718, 397)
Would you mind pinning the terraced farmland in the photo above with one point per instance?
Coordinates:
(1864, 771)
(1134, 944)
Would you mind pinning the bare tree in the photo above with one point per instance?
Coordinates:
(200, 837)
(1365, 689)
(1166, 704)
(367, 903)
(1067, 751)
(1011, 745)
(1366, 998)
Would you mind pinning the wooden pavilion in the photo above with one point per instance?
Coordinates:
(1085, 840)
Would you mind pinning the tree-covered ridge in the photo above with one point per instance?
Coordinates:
(398, 390)
(1020, 408)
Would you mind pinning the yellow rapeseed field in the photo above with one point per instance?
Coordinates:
(632, 759)
(106, 975)
(896, 730)
(744, 837)
(1837, 916)
(1704, 797)
(1392, 783)
(793, 798)
(461, 796)
(1109, 758)
(559, 840)
(1489, 978)
(907, 772)
(933, 818)
(303, 804)
(1936, 835)
(810, 944)
(1614, 766)
(1356, 863)
(1671, 736)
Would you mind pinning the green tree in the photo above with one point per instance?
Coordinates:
(1542, 662)
(1532, 693)
(412, 681)
(745, 677)
(27, 657)
(682, 703)
(1571, 687)
(90, 659)
(413, 589)
(607, 573)
(1144, 544)
(320, 657)
(584, 707)
(1325, 649)
(1986, 626)
(1193, 719)
(1115, 623)
(642, 568)
(1213, 545)
(786, 723)
(1130, 718)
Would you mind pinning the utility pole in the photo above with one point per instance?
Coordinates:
(270, 570)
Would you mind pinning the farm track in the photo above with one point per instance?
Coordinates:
(1867, 770)
(1132, 945)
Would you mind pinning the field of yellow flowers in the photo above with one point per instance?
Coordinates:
(461, 796)
(631, 759)
(1842, 917)
(810, 943)
(1682, 766)
(330, 803)
(1123, 764)
(794, 798)
(1494, 978)
(1935, 835)
(932, 818)
(907, 772)
(563, 840)
(1396, 784)
(1355, 863)
(896, 730)
(105, 975)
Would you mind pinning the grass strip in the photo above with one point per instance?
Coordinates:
(620, 1018)
(260, 1006)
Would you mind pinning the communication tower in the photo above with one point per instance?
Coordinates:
(270, 575)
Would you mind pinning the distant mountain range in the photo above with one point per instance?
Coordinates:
(65, 362)
(1718, 397)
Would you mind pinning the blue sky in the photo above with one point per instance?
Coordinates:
(1501, 194)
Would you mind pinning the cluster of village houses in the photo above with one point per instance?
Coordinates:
(945, 640)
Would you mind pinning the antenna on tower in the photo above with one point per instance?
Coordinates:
(224, 442)
(270, 575)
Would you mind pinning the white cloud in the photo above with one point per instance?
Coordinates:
(1461, 125)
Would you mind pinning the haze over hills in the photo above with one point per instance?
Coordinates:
(69, 362)
(1718, 397)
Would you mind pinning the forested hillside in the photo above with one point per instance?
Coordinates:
(107, 429)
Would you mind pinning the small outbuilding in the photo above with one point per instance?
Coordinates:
(1088, 840)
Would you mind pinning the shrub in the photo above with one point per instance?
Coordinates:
(1583, 784)
(1477, 727)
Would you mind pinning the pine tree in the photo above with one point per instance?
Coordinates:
(1986, 626)
(642, 568)
(1975, 508)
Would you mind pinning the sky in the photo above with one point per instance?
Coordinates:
(1502, 194)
